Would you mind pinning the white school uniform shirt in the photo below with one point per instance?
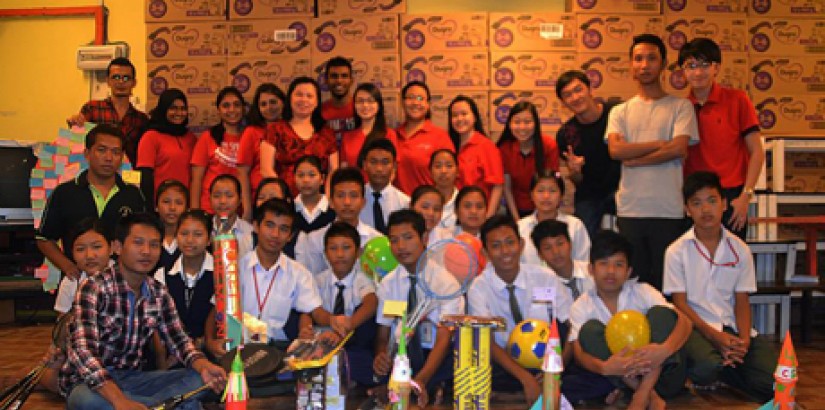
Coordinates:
(579, 239)
(488, 296)
(635, 295)
(356, 287)
(581, 274)
(293, 288)
(439, 234)
(448, 218)
(710, 289)
(309, 249)
(392, 199)
(208, 265)
(321, 207)
(243, 234)
(68, 289)
(396, 286)
(171, 247)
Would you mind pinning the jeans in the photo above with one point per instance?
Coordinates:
(149, 388)
(591, 212)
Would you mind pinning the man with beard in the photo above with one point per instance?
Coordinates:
(650, 134)
(338, 110)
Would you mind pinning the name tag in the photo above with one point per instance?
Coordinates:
(544, 295)
(426, 333)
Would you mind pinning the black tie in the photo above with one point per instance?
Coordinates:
(338, 309)
(414, 349)
(514, 309)
(573, 288)
(412, 298)
(378, 213)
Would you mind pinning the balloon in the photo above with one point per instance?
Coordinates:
(627, 328)
(377, 259)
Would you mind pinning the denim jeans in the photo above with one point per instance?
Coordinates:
(149, 388)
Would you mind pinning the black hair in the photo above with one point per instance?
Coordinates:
(495, 222)
(478, 126)
(317, 118)
(254, 116)
(120, 62)
(441, 151)
(700, 180)
(379, 126)
(226, 177)
(88, 224)
(196, 215)
(337, 62)
(701, 49)
(126, 222)
(548, 174)
(568, 77)
(218, 130)
(422, 190)
(172, 184)
(378, 144)
(538, 143)
(467, 190)
(104, 129)
(158, 119)
(549, 228)
(608, 243)
(346, 174)
(408, 216)
(342, 229)
(650, 39)
(311, 160)
(273, 180)
(421, 84)
(277, 207)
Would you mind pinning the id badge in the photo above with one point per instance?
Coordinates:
(542, 302)
(426, 334)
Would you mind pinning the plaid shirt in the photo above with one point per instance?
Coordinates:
(132, 125)
(105, 335)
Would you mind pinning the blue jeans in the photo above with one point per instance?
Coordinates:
(149, 388)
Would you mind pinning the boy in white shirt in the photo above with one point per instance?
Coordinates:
(655, 371)
(709, 272)
(510, 289)
(377, 159)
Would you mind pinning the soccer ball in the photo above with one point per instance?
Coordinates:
(527, 343)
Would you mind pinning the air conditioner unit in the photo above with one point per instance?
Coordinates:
(98, 57)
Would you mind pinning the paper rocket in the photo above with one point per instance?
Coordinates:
(401, 376)
(236, 393)
(553, 362)
(785, 376)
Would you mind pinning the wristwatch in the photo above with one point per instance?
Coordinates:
(748, 192)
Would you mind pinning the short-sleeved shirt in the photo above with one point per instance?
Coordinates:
(249, 153)
(309, 250)
(168, 155)
(414, 152)
(356, 287)
(392, 199)
(600, 172)
(396, 286)
(292, 288)
(216, 161)
(479, 163)
(132, 123)
(634, 295)
(521, 167)
(652, 191)
(725, 119)
(352, 141)
(339, 118)
(488, 296)
(290, 147)
(579, 239)
(581, 277)
(710, 289)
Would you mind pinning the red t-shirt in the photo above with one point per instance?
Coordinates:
(339, 119)
(289, 147)
(725, 119)
(353, 141)
(521, 168)
(168, 155)
(414, 152)
(479, 163)
(218, 161)
(249, 153)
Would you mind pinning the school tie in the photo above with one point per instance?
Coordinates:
(414, 350)
(571, 284)
(514, 309)
(412, 298)
(338, 309)
(378, 213)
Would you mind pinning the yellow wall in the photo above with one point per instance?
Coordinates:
(40, 84)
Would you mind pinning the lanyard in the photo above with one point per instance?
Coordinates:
(712, 263)
(262, 303)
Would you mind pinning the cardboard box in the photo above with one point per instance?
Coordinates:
(614, 33)
(785, 37)
(267, 9)
(196, 78)
(203, 114)
(167, 11)
(730, 33)
(733, 73)
(183, 41)
(790, 8)
(247, 73)
(532, 32)
(381, 69)
(466, 31)
(791, 115)
(392, 107)
(355, 34)
(611, 6)
(805, 172)
(552, 112)
(348, 7)
(704, 7)
(247, 38)
(609, 74)
(526, 70)
(440, 104)
(462, 70)
(794, 75)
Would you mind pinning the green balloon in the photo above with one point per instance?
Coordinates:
(377, 259)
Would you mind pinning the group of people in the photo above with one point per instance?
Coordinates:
(304, 185)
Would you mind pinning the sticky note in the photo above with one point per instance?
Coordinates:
(49, 183)
(50, 174)
(64, 133)
(36, 183)
(38, 173)
(50, 148)
(59, 167)
(76, 148)
(38, 193)
(394, 307)
(131, 177)
(63, 150)
(46, 162)
(38, 204)
(63, 159)
(62, 140)
(76, 158)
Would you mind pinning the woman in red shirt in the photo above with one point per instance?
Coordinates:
(302, 131)
(479, 162)
(166, 147)
(525, 152)
(370, 123)
(418, 138)
(266, 108)
(216, 152)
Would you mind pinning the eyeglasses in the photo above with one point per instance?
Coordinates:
(697, 65)
(418, 98)
(122, 78)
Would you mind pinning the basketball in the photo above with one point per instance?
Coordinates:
(627, 328)
(464, 258)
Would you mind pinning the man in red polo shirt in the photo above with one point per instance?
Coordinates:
(338, 110)
(730, 143)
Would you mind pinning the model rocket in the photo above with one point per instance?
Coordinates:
(236, 393)
(552, 366)
(784, 390)
(227, 286)
(400, 384)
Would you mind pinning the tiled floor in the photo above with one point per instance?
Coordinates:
(22, 346)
